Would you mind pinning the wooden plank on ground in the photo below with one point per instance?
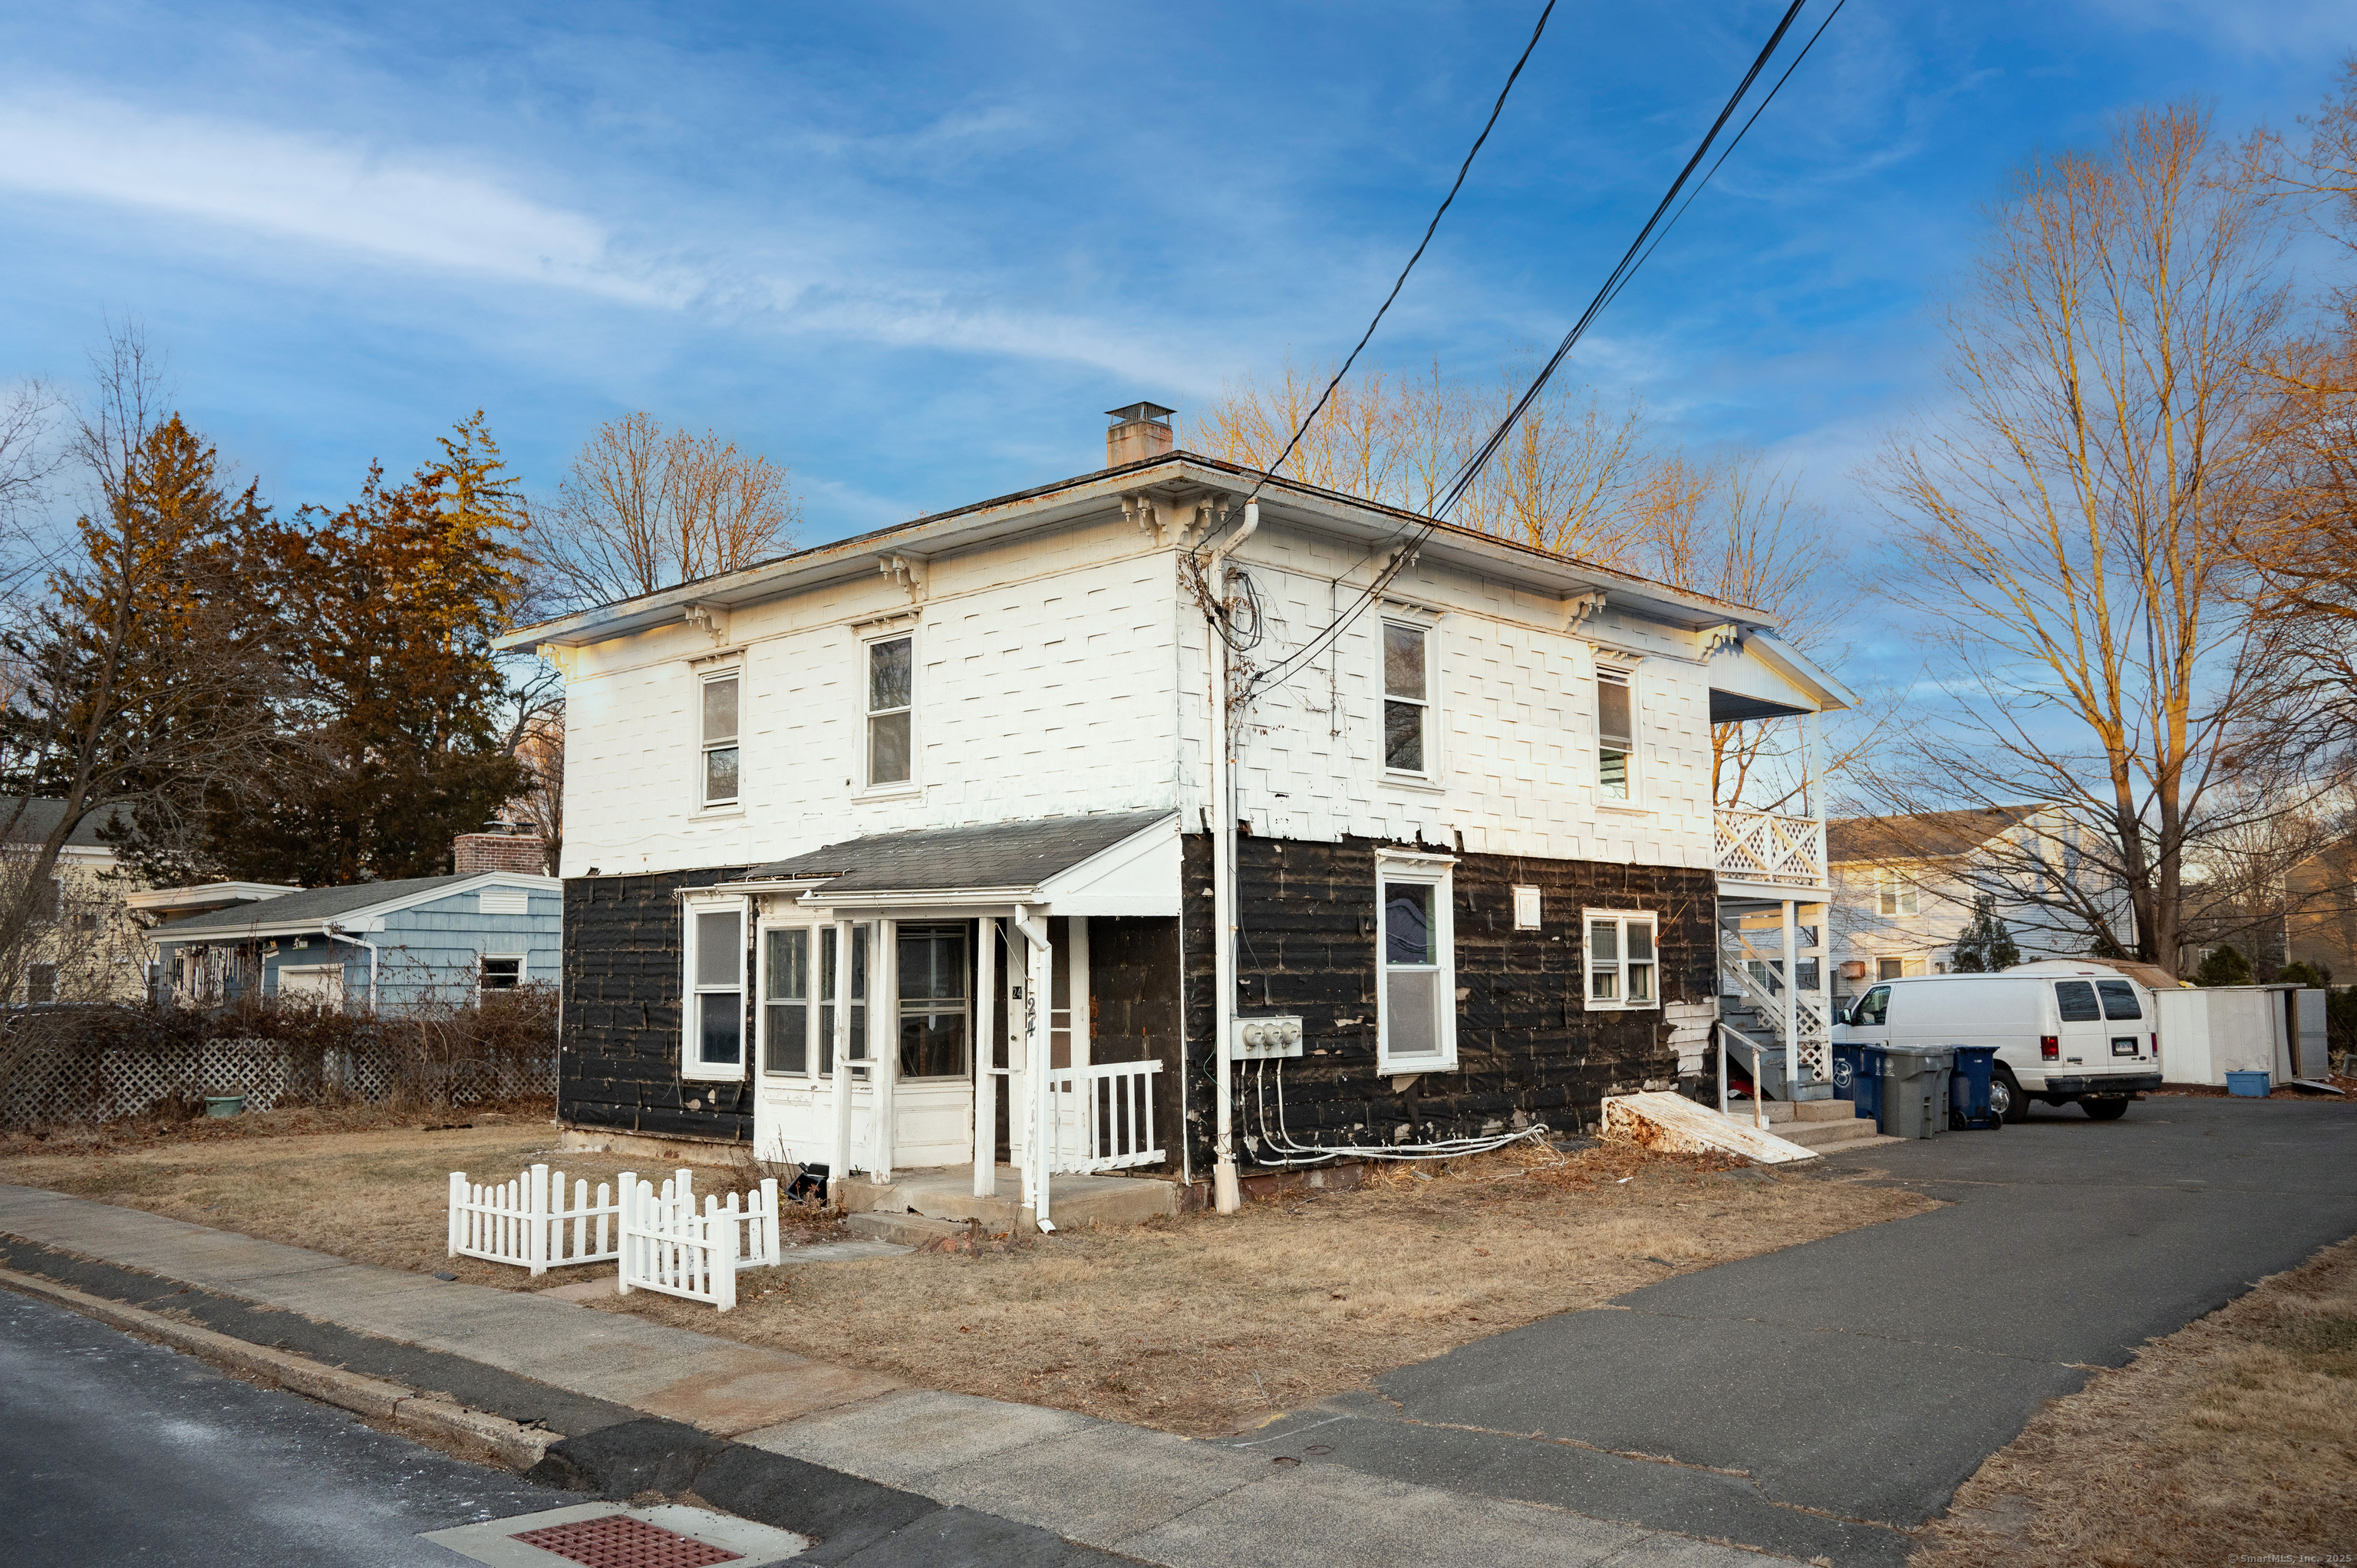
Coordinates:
(1676, 1125)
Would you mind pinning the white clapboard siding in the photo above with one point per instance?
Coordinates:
(668, 1246)
(531, 1221)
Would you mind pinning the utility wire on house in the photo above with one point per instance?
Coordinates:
(1404, 545)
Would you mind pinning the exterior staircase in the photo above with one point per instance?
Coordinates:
(1824, 1126)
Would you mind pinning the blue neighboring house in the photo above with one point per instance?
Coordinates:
(380, 944)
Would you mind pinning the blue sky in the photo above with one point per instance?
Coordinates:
(912, 251)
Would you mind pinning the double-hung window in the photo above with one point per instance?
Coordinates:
(721, 773)
(1615, 735)
(714, 1042)
(786, 1000)
(1623, 963)
(1415, 967)
(891, 703)
(1407, 699)
(502, 971)
(1894, 895)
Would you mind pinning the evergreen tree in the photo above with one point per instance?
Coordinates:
(1985, 947)
(2225, 966)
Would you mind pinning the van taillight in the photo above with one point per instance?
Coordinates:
(2155, 1045)
(2049, 1047)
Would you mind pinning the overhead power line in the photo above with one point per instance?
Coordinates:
(1429, 229)
(1406, 542)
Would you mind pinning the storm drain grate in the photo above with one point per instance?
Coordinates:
(617, 1541)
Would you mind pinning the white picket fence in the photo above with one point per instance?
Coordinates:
(529, 1221)
(668, 1246)
(1101, 1118)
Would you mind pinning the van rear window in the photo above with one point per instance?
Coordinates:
(2077, 999)
(2119, 999)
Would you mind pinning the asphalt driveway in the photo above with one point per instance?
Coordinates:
(1823, 1399)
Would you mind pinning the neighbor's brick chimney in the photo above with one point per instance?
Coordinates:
(471, 853)
(1141, 430)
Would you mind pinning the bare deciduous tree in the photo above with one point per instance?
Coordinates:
(644, 507)
(2070, 522)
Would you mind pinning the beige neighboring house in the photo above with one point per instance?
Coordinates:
(1904, 886)
(87, 948)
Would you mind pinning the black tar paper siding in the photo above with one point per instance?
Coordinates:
(1527, 1048)
(619, 1066)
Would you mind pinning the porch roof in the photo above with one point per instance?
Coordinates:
(1000, 857)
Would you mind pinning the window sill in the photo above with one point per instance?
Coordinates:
(722, 809)
(712, 1072)
(1410, 1066)
(1622, 809)
(1422, 783)
(1622, 1006)
(890, 792)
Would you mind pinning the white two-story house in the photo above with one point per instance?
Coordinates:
(938, 811)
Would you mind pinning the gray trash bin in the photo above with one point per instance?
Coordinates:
(1915, 1090)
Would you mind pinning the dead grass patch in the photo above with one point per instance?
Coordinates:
(361, 1182)
(2233, 1440)
(1204, 1324)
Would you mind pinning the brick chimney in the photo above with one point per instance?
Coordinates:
(1141, 430)
(507, 850)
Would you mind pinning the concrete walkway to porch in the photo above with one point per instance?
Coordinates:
(1145, 1495)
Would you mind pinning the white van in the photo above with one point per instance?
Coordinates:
(2084, 1034)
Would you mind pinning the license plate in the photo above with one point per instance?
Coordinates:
(2124, 1045)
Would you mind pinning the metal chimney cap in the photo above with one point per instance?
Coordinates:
(1138, 411)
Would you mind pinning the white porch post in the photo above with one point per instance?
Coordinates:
(884, 1034)
(1792, 999)
(986, 1052)
(1039, 974)
(839, 1168)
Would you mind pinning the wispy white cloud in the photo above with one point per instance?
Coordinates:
(404, 207)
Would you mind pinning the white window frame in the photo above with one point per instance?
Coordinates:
(1438, 872)
(1622, 1003)
(903, 632)
(524, 971)
(812, 936)
(1624, 674)
(1530, 908)
(1896, 897)
(705, 746)
(691, 1065)
(1430, 702)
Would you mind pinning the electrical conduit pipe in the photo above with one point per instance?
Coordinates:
(1226, 1198)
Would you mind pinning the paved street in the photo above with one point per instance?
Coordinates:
(117, 1452)
(1866, 1376)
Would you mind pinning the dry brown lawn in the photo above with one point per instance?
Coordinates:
(1206, 1326)
(2234, 1440)
(1200, 1325)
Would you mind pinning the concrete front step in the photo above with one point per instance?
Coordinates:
(1783, 1110)
(947, 1194)
(907, 1229)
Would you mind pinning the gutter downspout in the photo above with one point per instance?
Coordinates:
(1225, 1195)
(336, 933)
(1039, 979)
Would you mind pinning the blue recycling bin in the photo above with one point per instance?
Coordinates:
(1858, 1077)
(1968, 1090)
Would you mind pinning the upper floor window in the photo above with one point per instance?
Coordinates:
(1622, 963)
(1894, 895)
(892, 701)
(1616, 733)
(1407, 701)
(721, 773)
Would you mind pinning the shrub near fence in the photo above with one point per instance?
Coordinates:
(60, 1066)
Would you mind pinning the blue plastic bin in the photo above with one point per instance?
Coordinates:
(1858, 1077)
(1968, 1090)
(2249, 1085)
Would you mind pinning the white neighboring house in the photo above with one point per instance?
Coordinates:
(87, 946)
(942, 802)
(1904, 887)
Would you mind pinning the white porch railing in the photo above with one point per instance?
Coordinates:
(1765, 846)
(668, 1247)
(528, 1221)
(1101, 1118)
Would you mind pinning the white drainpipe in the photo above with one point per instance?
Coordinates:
(333, 934)
(1225, 1197)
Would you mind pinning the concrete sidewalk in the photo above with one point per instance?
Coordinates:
(669, 1409)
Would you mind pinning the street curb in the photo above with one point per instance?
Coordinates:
(519, 1447)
